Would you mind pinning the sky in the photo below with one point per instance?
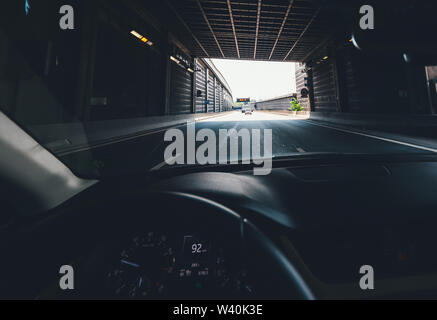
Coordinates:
(257, 79)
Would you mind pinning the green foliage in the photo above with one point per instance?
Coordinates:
(295, 105)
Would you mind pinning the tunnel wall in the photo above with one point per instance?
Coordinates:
(99, 70)
(343, 79)
(212, 92)
(324, 86)
(181, 92)
(201, 86)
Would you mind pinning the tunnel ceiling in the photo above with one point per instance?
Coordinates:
(277, 30)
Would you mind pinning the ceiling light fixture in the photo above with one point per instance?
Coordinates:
(136, 34)
(174, 59)
(141, 37)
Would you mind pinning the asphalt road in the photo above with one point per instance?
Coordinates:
(290, 136)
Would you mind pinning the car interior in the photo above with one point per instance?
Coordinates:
(216, 231)
(240, 234)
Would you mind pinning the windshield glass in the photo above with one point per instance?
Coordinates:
(114, 88)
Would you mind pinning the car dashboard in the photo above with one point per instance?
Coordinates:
(302, 232)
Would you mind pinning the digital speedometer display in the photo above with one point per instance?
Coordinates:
(195, 248)
(155, 265)
(195, 258)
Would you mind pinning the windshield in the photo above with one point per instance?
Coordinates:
(111, 89)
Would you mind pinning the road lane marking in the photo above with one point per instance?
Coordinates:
(374, 137)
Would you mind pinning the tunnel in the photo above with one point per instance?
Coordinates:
(133, 59)
(132, 66)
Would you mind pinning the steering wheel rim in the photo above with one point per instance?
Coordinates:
(296, 285)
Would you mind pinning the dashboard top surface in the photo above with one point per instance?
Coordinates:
(323, 196)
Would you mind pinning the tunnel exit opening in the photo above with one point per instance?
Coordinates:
(260, 90)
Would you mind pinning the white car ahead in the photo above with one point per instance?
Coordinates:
(248, 111)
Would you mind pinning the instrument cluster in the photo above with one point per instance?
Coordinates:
(160, 265)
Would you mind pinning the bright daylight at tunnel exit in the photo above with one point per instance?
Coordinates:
(218, 158)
